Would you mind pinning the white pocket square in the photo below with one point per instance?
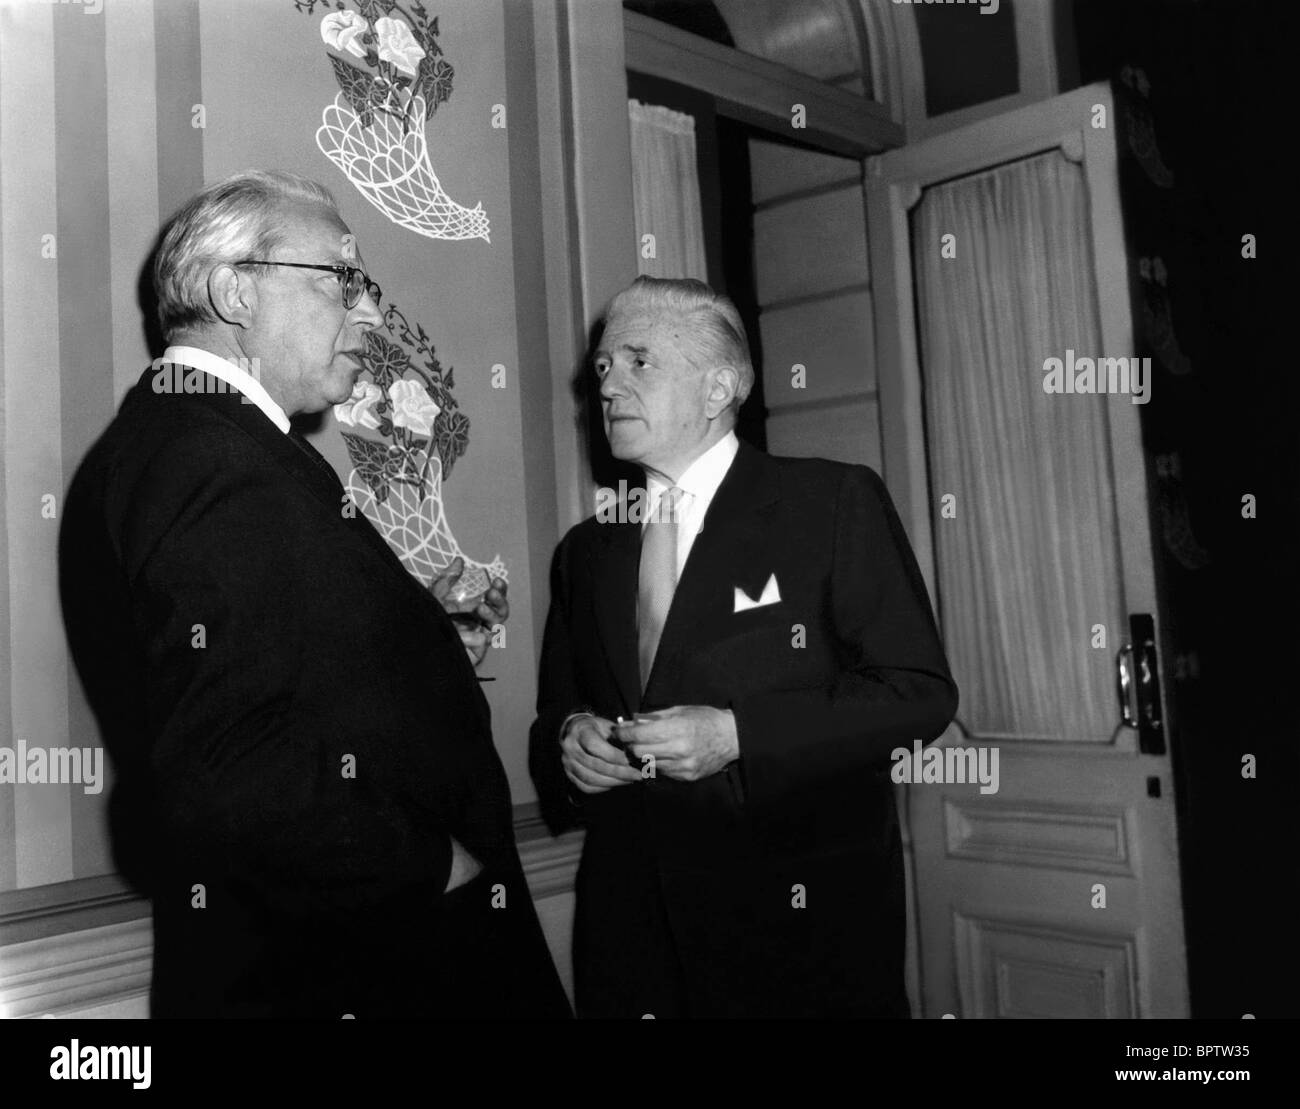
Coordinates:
(771, 594)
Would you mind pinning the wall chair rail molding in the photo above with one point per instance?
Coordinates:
(85, 947)
(71, 948)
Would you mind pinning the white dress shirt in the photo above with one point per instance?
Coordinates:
(232, 375)
(698, 484)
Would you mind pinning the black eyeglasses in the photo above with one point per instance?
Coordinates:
(354, 283)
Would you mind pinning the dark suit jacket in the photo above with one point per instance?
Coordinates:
(824, 685)
(282, 884)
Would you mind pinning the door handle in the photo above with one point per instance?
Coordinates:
(1150, 722)
(1137, 685)
(1124, 686)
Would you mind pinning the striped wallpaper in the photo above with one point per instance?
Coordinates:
(86, 114)
(98, 145)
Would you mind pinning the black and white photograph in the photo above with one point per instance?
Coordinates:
(561, 511)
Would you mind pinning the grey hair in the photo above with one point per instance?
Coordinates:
(716, 335)
(232, 219)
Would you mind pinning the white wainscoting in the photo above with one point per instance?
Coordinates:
(104, 971)
(96, 972)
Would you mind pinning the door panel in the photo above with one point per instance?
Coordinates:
(1058, 895)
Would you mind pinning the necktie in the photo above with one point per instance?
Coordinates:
(657, 578)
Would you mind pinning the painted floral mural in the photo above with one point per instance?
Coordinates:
(392, 78)
(404, 395)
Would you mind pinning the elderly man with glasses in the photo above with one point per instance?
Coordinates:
(306, 781)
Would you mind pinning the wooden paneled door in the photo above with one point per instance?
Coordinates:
(1008, 921)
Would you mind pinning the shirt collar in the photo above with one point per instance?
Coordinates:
(231, 374)
(703, 476)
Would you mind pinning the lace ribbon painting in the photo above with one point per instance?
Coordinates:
(392, 78)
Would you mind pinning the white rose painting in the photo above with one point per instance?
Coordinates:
(412, 407)
(405, 395)
(397, 45)
(392, 78)
(360, 410)
(341, 31)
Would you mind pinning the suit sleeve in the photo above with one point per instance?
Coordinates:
(558, 698)
(893, 684)
(243, 778)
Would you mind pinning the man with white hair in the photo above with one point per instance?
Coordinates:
(307, 785)
(723, 679)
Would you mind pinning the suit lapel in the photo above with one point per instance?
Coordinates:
(734, 528)
(254, 423)
(615, 589)
(305, 465)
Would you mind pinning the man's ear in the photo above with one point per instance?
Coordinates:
(232, 295)
(722, 390)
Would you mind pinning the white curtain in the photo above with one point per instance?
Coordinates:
(666, 192)
(1030, 563)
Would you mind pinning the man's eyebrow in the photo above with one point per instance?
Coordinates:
(603, 352)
